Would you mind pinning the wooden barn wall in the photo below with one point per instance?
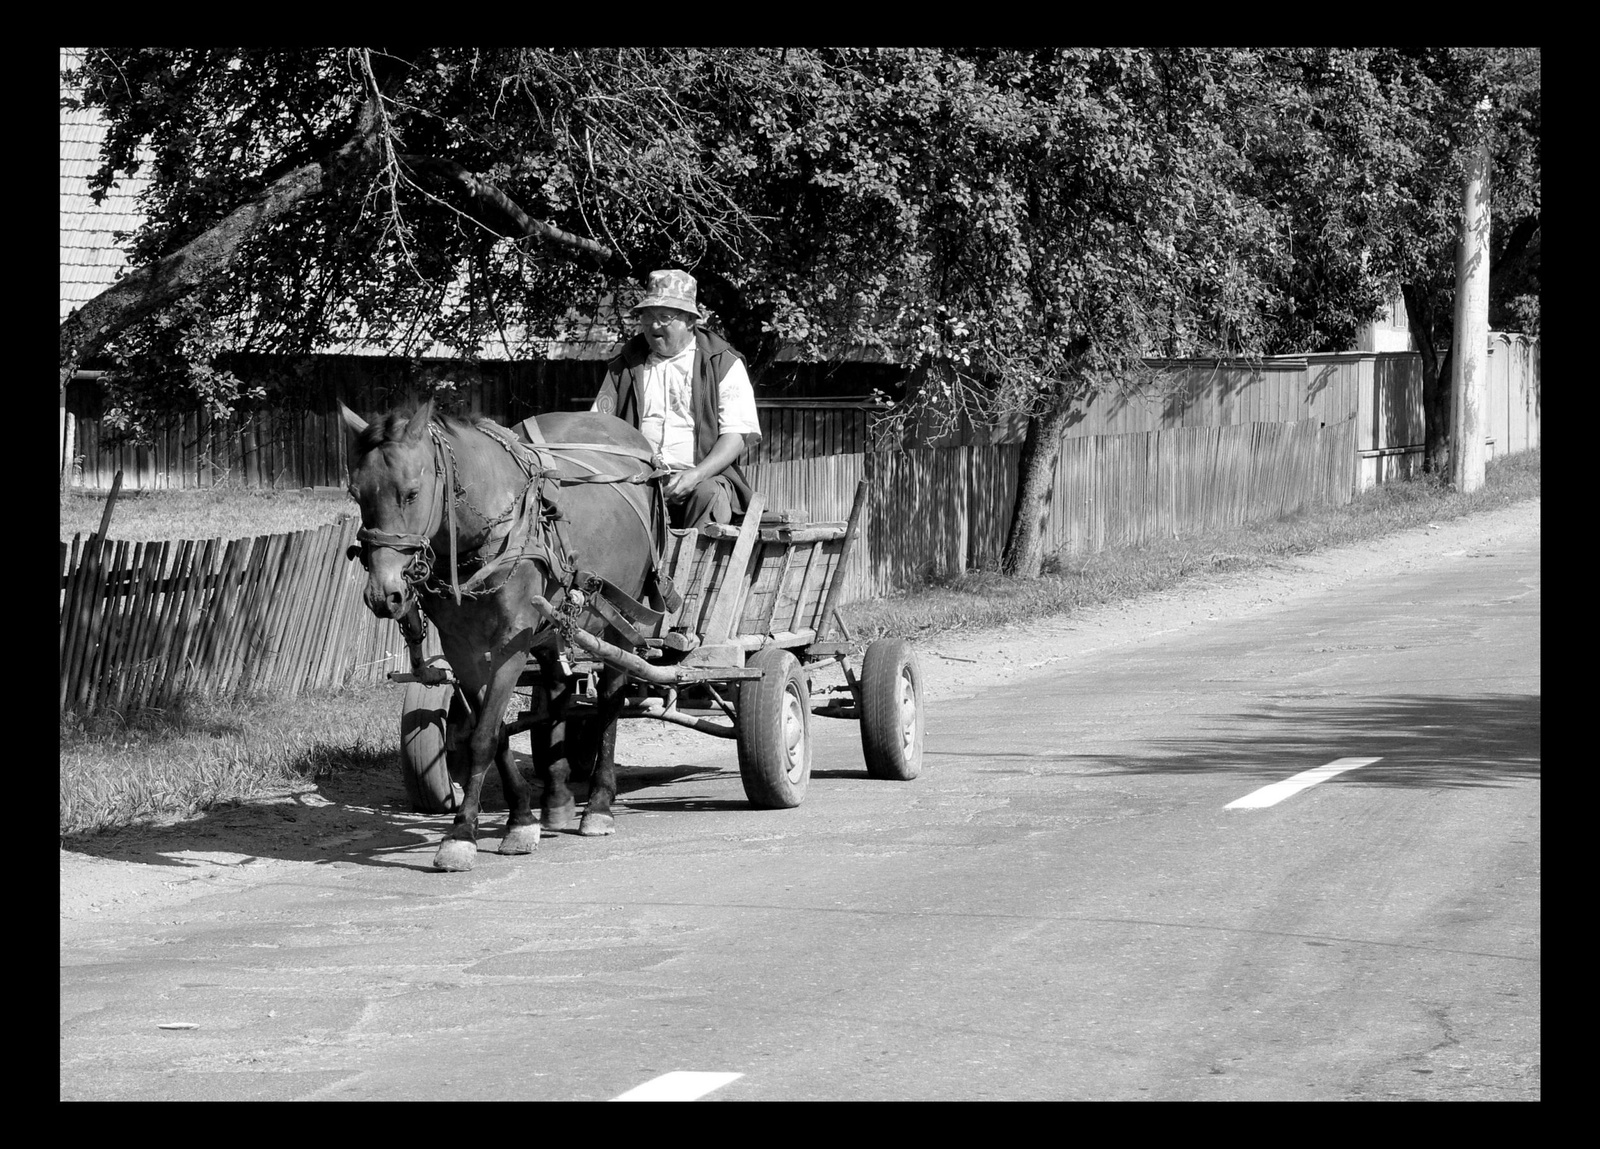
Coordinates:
(301, 442)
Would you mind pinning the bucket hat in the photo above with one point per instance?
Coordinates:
(673, 288)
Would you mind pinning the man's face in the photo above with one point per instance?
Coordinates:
(666, 329)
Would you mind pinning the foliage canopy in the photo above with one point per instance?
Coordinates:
(1007, 221)
(1015, 227)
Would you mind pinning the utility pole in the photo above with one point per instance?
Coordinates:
(1470, 340)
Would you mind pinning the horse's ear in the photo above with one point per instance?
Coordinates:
(418, 425)
(355, 422)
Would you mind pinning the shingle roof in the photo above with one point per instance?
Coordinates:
(90, 257)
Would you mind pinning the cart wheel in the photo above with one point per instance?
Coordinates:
(891, 710)
(429, 770)
(774, 732)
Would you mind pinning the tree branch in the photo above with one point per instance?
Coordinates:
(146, 290)
(502, 214)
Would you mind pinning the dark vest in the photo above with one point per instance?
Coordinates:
(714, 358)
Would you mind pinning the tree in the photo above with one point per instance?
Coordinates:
(1365, 148)
(1013, 227)
(411, 195)
(1017, 228)
(398, 195)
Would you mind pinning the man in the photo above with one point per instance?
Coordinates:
(689, 393)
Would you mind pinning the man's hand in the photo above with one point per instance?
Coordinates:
(680, 483)
(725, 451)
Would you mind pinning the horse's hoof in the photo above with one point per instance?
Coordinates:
(597, 825)
(520, 839)
(455, 855)
(559, 817)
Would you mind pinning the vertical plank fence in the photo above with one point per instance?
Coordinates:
(1217, 446)
(274, 613)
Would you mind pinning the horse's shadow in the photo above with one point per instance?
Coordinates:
(358, 816)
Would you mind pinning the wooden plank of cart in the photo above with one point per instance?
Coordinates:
(758, 613)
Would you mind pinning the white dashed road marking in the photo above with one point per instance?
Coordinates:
(679, 1085)
(1278, 791)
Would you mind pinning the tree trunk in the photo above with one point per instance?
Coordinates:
(1470, 341)
(1036, 471)
(1435, 379)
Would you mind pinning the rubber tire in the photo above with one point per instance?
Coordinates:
(891, 685)
(432, 774)
(773, 709)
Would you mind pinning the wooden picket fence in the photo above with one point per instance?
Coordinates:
(145, 622)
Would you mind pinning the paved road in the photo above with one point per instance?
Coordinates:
(1061, 907)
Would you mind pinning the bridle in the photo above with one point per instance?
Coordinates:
(420, 546)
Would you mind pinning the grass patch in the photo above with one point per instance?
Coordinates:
(980, 599)
(205, 753)
(220, 512)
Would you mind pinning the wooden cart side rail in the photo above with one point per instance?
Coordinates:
(735, 579)
(824, 621)
(782, 571)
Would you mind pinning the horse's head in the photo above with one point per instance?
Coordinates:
(396, 478)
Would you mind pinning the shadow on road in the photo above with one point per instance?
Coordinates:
(1424, 741)
(357, 816)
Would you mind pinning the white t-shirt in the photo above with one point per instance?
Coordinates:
(666, 416)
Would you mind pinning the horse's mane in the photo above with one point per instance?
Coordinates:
(391, 428)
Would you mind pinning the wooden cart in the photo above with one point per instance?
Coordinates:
(758, 612)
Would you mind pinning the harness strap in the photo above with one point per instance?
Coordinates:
(448, 493)
(603, 448)
(393, 542)
(526, 545)
(567, 478)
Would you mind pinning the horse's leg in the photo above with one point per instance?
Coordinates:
(522, 825)
(460, 845)
(559, 807)
(597, 818)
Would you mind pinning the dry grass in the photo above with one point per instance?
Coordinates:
(206, 753)
(221, 512)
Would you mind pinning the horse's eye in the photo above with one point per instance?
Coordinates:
(411, 496)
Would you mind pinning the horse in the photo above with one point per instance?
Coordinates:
(515, 528)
